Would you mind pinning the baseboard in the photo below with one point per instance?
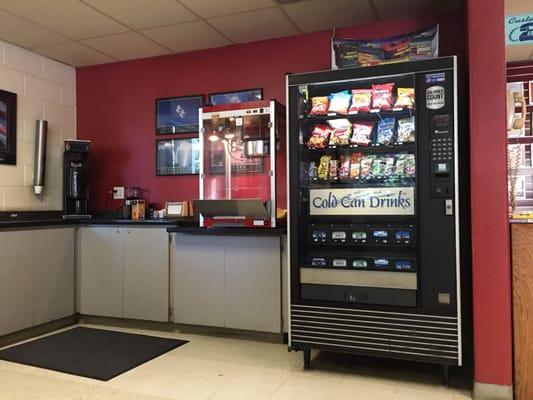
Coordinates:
(39, 330)
(182, 328)
(488, 391)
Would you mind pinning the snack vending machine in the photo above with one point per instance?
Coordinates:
(374, 212)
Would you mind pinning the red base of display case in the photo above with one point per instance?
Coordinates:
(211, 222)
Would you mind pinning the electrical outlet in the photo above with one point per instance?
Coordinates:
(118, 192)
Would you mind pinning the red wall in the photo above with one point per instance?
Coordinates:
(116, 102)
(488, 174)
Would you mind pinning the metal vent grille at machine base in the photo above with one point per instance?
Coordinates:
(419, 337)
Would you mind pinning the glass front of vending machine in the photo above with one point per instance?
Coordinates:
(373, 212)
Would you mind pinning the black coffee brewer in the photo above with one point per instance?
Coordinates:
(75, 178)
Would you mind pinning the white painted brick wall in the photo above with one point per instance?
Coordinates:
(45, 89)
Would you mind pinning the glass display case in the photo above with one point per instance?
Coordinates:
(238, 163)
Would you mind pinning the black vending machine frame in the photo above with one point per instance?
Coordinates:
(431, 330)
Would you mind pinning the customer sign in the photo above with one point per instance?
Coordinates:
(363, 201)
(519, 29)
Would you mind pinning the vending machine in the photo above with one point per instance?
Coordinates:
(375, 212)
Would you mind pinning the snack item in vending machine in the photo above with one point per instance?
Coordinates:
(344, 167)
(366, 166)
(312, 171)
(333, 169)
(319, 105)
(355, 165)
(406, 130)
(405, 98)
(382, 96)
(319, 137)
(389, 166)
(323, 167)
(378, 168)
(362, 133)
(339, 102)
(340, 133)
(410, 165)
(361, 100)
(400, 166)
(385, 131)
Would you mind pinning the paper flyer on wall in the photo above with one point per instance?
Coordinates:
(418, 45)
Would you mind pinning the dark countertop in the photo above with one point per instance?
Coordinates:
(35, 219)
(196, 230)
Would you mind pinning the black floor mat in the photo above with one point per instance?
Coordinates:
(92, 353)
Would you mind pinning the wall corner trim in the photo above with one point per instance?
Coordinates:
(489, 391)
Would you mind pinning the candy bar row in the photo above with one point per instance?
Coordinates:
(370, 167)
(378, 97)
(341, 132)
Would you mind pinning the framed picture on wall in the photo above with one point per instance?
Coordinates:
(8, 128)
(177, 156)
(240, 96)
(177, 114)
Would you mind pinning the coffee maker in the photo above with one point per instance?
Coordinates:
(75, 171)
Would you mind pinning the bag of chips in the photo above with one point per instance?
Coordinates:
(382, 96)
(366, 166)
(344, 167)
(312, 171)
(361, 100)
(319, 105)
(389, 167)
(323, 167)
(362, 133)
(385, 131)
(339, 102)
(400, 166)
(410, 165)
(319, 137)
(405, 98)
(378, 168)
(333, 169)
(355, 165)
(406, 130)
(341, 130)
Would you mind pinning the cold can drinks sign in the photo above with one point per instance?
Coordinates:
(435, 97)
(366, 201)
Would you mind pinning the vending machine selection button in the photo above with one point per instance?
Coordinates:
(339, 262)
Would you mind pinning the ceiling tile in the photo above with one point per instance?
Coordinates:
(26, 34)
(254, 25)
(187, 36)
(140, 14)
(518, 53)
(210, 8)
(68, 17)
(76, 54)
(309, 15)
(126, 46)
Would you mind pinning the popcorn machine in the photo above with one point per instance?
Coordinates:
(238, 145)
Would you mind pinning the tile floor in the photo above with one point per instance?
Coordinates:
(217, 368)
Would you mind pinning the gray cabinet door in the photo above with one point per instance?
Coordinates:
(146, 273)
(198, 279)
(16, 266)
(101, 271)
(53, 274)
(253, 283)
